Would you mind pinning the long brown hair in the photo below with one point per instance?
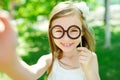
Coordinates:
(61, 10)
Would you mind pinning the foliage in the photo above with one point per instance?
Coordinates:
(4, 4)
(30, 9)
(31, 43)
(108, 58)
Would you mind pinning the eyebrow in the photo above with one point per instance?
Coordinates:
(57, 28)
(73, 28)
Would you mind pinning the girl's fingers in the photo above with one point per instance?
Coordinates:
(6, 25)
(4, 20)
(82, 61)
(81, 48)
(85, 55)
(2, 28)
(7, 34)
(84, 51)
(8, 42)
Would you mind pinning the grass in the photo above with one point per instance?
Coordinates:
(108, 58)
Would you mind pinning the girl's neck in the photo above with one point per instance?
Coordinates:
(69, 60)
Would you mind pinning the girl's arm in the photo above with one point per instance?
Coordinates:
(42, 65)
(10, 63)
(22, 71)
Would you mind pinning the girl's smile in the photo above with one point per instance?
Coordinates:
(66, 44)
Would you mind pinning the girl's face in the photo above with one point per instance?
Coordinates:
(67, 32)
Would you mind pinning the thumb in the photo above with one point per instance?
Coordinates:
(4, 20)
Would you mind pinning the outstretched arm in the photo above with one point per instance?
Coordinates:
(22, 71)
(10, 62)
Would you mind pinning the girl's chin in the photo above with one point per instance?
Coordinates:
(67, 50)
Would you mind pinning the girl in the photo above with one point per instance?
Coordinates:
(72, 47)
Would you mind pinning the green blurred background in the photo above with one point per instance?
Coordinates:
(31, 20)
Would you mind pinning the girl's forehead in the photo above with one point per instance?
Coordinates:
(67, 21)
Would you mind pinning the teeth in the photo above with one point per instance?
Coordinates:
(66, 44)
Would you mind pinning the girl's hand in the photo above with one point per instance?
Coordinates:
(89, 63)
(85, 56)
(7, 42)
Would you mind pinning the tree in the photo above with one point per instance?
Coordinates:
(107, 25)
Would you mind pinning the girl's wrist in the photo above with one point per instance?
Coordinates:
(91, 74)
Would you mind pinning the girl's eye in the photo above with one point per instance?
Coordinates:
(74, 30)
(58, 31)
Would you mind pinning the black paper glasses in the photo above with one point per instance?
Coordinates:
(73, 32)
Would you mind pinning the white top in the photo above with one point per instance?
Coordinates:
(60, 73)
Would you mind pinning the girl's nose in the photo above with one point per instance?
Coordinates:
(65, 37)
